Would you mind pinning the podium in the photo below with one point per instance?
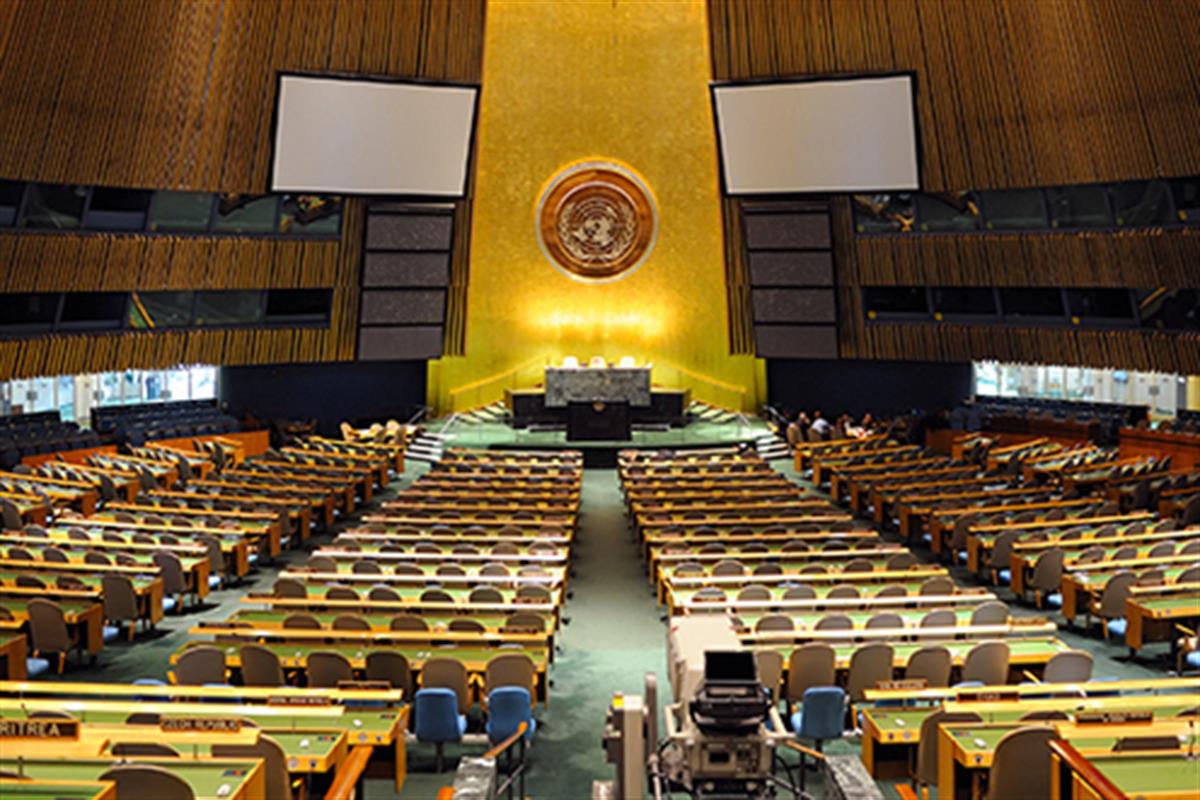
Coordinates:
(565, 385)
(597, 422)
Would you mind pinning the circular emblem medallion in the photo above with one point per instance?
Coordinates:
(596, 222)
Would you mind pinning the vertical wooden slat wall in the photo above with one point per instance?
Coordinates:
(179, 95)
(1010, 93)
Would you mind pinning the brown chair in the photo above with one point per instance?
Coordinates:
(275, 770)
(901, 561)
(729, 567)
(260, 666)
(800, 592)
(171, 571)
(524, 622)
(304, 622)
(927, 743)
(48, 631)
(768, 568)
(408, 622)
(341, 593)
(120, 601)
(940, 618)
(870, 664)
(289, 587)
(485, 594)
(55, 555)
(932, 664)
(146, 780)
(843, 591)
(936, 586)
(350, 622)
(755, 592)
(200, 665)
(136, 749)
(1111, 605)
(1021, 764)
(450, 570)
(858, 565)
(326, 669)
(436, 596)
(383, 593)
(892, 590)
(885, 619)
(1072, 666)
(465, 625)
(96, 557)
(990, 612)
(987, 662)
(447, 673)
(770, 672)
(510, 669)
(1047, 575)
(834, 622)
(390, 666)
(322, 564)
(774, 622)
(810, 665)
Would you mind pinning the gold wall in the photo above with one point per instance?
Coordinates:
(564, 82)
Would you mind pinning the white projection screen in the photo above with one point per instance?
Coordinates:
(835, 135)
(354, 136)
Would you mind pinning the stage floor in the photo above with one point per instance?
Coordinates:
(696, 434)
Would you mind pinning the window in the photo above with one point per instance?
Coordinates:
(883, 213)
(1186, 194)
(1170, 309)
(10, 202)
(895, 301)
(1106, 304)
(1079, 207)
(117, 210)
(28, 312)
(228, 308)
(1031, 302)
(52, 206)
(240, 213)
(1142, 203)
(311, 214)
(153, 310)
(963, 301)
(93, 310)
(181, 211)
(293, 306)
(1018, 209)
(947, 212)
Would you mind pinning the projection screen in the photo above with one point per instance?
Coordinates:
(835, 135)
(371, 137)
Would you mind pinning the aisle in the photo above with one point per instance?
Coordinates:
(614, 637)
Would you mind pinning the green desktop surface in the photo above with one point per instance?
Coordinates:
(206, 778)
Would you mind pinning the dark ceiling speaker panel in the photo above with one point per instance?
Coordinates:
(789, 253)
(405, 275)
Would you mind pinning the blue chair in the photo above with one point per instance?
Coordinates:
(437, 720)
(508, 707)
(36, 666)
(821, 716)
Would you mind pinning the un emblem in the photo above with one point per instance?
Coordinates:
(596, 222)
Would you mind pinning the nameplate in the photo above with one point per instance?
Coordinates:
(908, 684)
(1114, 717)
(39, 729)
(991, 696)
(365, 686)
(200, 724)
(300, 700)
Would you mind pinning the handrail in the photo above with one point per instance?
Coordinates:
(507, 743)
(349, 772)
